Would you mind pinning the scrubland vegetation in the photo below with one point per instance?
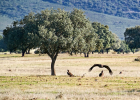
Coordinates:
(29, 77)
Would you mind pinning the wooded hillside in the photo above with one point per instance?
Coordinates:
(122, 8)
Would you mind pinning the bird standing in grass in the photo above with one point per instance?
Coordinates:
(101, 74)
(101, 66)
(69, 73)
(120, 73)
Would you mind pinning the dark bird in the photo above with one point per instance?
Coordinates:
(101, 74)
(69, 73)
(120, 73)
(101, 66)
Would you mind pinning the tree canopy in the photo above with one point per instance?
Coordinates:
(21, 35)
(106, 38)
(124, 48)
(132, 37)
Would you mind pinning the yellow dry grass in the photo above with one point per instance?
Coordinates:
(29, 77)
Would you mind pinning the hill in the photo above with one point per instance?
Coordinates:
(15, 9)
(122, 8)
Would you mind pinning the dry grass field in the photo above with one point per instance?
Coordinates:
(28, 78)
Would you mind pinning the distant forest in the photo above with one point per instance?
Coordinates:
(122, 8)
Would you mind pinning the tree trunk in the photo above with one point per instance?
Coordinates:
(107, 51)
(85, 55)
(23, 52)
(53, 63)
(10, 51)
(52, 67)
(102, 51)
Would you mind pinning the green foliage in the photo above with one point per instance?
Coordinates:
(70, 32)
(21, 35)
(106, 38)
(132, 37)
(99, 45)
(124, 48)
(115, 42)
(84, 35)
(8, 34)
(56, 32)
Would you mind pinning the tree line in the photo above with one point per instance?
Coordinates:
(54, 31)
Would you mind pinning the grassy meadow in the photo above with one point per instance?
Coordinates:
(28, 78)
